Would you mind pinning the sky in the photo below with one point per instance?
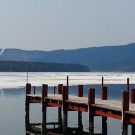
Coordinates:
(66, 24)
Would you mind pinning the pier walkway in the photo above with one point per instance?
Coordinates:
(123, 110)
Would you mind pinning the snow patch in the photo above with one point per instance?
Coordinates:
(2, 51)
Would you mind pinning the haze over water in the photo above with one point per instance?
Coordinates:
(12, 97)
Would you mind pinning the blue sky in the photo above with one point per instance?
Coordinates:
(66, 24)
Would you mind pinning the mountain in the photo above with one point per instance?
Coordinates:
(106, 58)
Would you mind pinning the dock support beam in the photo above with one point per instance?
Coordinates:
(67, 81)
(104, 119)
(44, 108)
(91, 100)
(27, 105)
(125, 107)
(133, 129)
(80, 94)
(65, 111)
(133, 101)
(104, 125)
(133, 95)
(60, 87)
(128, 84)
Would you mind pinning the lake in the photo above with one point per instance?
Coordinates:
(12, 97)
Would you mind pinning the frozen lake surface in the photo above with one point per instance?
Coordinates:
(15, 79)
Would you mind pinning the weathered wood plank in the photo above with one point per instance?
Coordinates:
(106, 104)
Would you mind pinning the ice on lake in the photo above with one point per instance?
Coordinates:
(19, 79)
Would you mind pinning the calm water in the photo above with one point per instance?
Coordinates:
(12, 98)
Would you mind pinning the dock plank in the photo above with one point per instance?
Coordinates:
(107, 104)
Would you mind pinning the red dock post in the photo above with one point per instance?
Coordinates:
(133, 95)
(80, 90)
(28, 88)
(133, 101)
(91, 100)
(125, 107)
(54, 89)
(65, 111)
(44, 107)
(34, 90)
(67, 81)
(44, 91)
(128, 84)
(27, 105)
(102, 81)
(104, 119)
(60, 88)
(133, 129)
(80, 94)
(104, 93)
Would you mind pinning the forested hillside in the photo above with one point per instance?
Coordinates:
(16, 66)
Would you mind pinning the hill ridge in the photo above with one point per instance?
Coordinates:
(105, 58)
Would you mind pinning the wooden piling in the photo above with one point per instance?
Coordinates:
(91, 100)
(44, 108)
(125, 107)
(104, 93)
(104, 125)
(102, 81)
(133, 129)
(27, 105)
(60, 88)
(104, 119)
(67, 81)
(128, 84)
(34, 90)
(28, 88)
(80, 94)
(133, 95)
(65, 111)
(54, 89)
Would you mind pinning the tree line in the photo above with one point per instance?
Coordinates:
(21, 66)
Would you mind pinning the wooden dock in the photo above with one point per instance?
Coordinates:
(123, 110)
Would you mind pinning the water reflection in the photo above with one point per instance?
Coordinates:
(12, 111)
(52, 128)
